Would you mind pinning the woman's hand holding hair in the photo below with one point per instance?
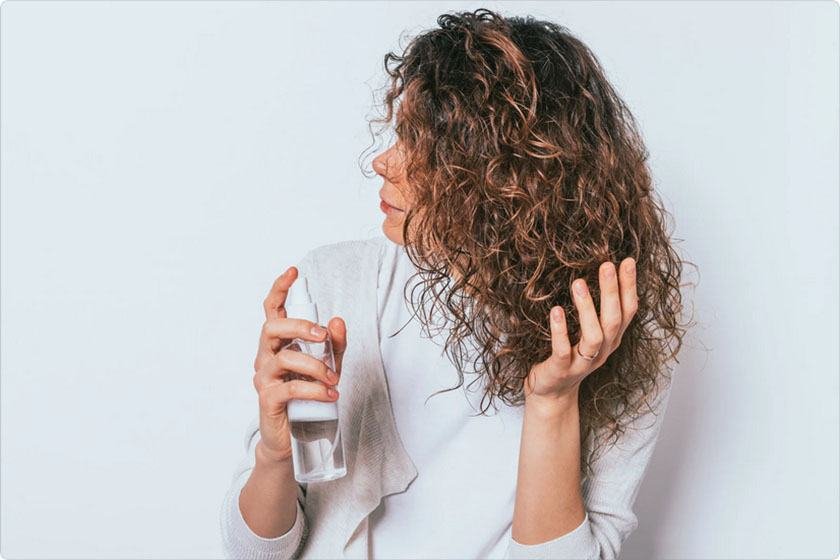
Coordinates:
(548, 506)
(555, 381)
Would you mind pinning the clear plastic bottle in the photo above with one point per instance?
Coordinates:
(317, 447)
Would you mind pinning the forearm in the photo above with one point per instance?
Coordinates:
(548, 494)
(267, 500)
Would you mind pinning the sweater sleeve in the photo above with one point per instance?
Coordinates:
(238, 540)
(608, 494)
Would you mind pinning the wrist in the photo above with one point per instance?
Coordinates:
(270, 458)
(560, 406)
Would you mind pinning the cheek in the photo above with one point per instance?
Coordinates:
(404, 194)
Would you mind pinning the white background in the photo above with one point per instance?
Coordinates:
(163, 162)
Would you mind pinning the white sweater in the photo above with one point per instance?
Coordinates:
(467, 465)
(422, 480)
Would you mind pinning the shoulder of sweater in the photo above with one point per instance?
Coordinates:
(344, 254)
(334, 269)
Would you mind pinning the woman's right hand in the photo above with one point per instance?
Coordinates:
(312, 378)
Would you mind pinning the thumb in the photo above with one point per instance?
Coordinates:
(338, 335)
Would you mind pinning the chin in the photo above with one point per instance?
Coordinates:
(395, 236)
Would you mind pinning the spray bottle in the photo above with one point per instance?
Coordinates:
(317, 447)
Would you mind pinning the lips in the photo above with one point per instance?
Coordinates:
(385, 207)
(388, 203)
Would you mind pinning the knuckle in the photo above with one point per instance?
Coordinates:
(294, 388)
(282, 358)
(613, 324)
(564, 353)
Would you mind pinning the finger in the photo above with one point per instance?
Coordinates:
(610, 304)
(561, 348)
(273, 397)
(275, 331)
(273, 302)
(628, 291)
(291, 364)
(591, 336)
(338, 335)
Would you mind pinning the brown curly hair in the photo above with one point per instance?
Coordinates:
(527, 172)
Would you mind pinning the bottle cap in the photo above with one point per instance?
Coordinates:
(299, 304)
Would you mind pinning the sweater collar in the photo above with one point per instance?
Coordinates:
(377, 462)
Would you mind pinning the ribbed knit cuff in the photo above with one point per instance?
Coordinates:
(579, 544)
(241, 542)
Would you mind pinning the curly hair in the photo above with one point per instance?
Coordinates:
(527, 172)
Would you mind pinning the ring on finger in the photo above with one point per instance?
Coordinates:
(585, 357)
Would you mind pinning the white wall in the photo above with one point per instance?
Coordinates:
(163, 162)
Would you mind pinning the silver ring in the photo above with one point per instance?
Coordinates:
(587, 357)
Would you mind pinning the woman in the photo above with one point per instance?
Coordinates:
(517, 194)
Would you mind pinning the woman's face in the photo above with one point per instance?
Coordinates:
(393, 194)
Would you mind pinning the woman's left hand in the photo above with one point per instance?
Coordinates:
(557, 378)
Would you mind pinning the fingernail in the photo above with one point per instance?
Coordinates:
(580, 287)
(609, 271)
(332, 392)
(318, 331)
(556, 313)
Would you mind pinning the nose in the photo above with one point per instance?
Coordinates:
(380, 164)
(383, 162)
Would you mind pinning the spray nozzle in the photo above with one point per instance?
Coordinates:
(299, 302)
(299, 293)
